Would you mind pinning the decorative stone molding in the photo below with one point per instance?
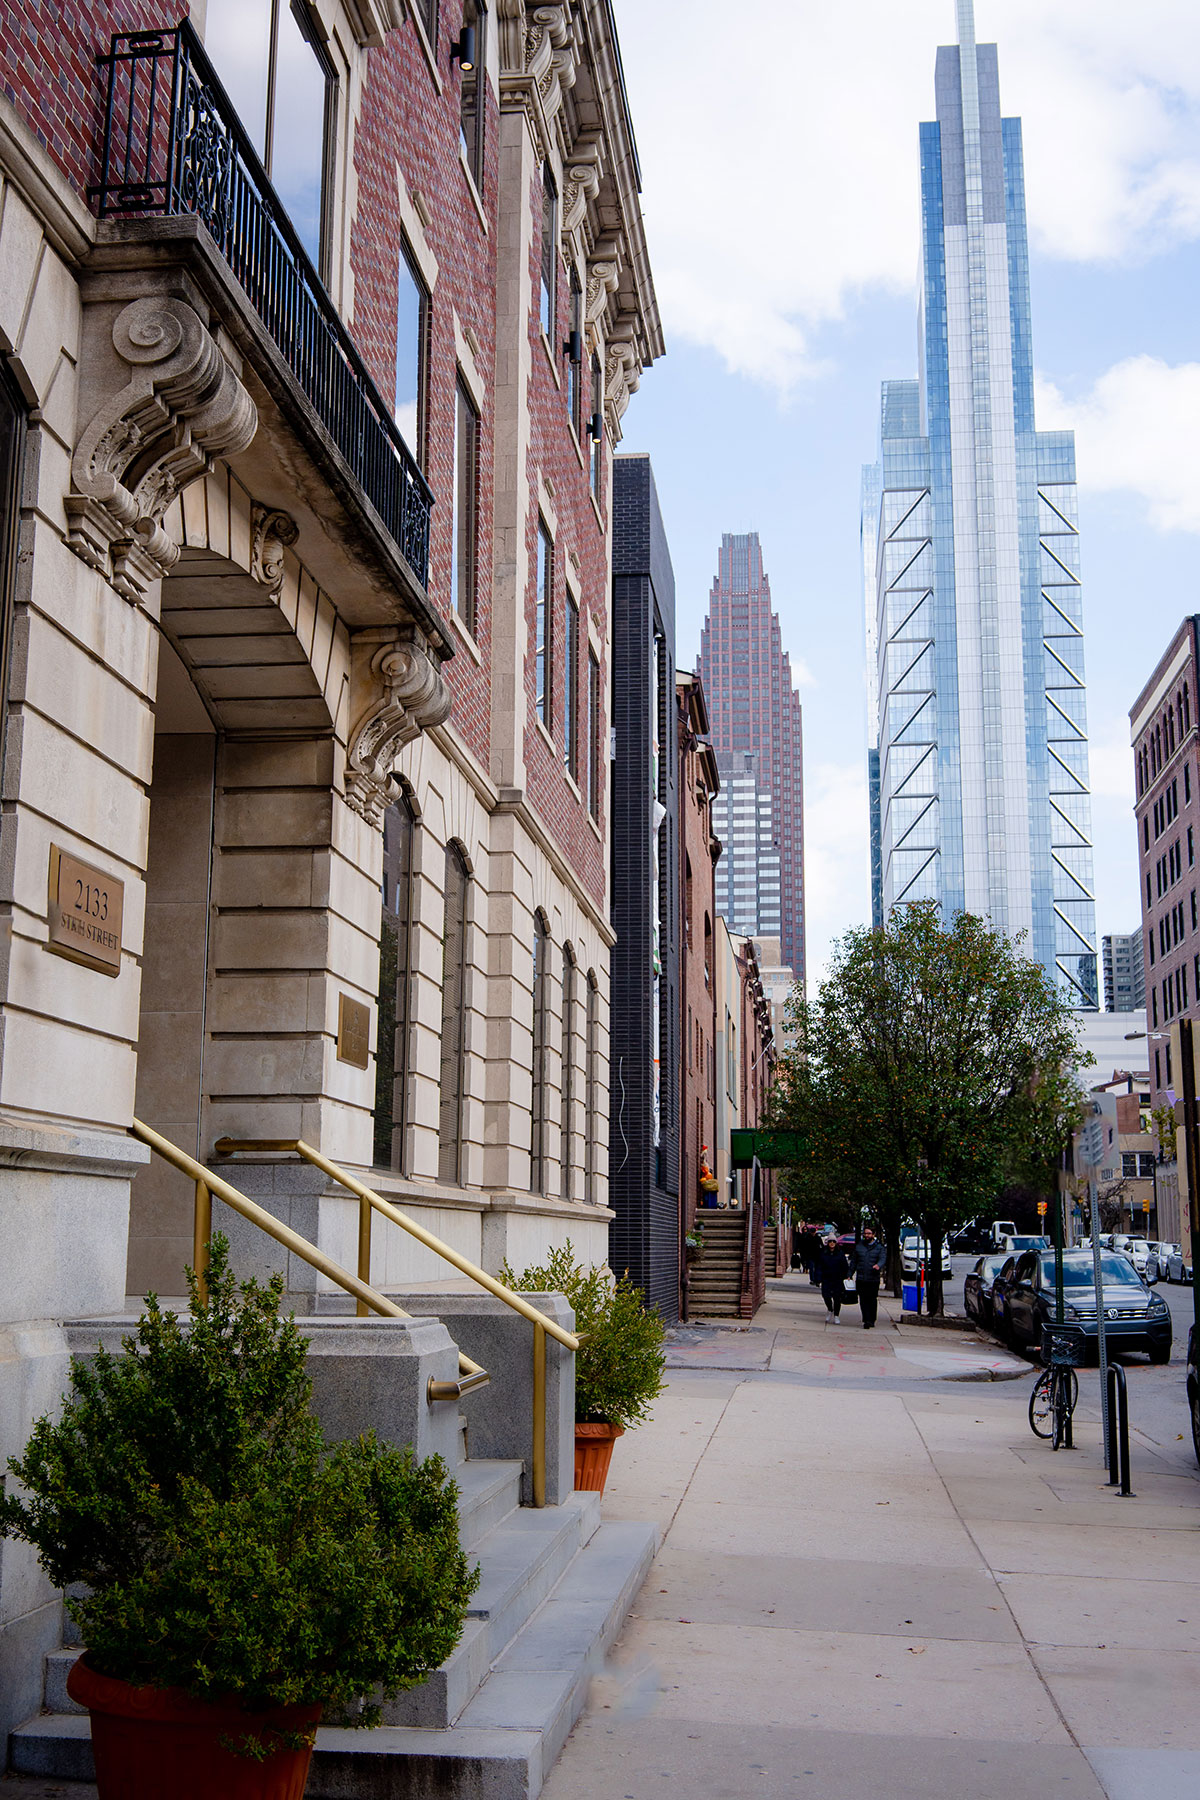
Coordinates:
(581, 182)
(538, 50)
(622, 372)
(271, 533)
(604, 273)
(397, 691)
(182, 406)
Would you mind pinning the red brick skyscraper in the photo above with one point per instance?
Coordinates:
(757, 732)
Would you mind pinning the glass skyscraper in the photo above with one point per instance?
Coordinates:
(977, 713)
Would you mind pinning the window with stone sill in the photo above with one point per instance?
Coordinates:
(395, 970)
(465, 522)
(548, 298)
(427, 12)
(453, 1036)
(13, 425)
(592, 1052)
(567, 1153)
(539, 1132)
(412, 354)
(274, 64)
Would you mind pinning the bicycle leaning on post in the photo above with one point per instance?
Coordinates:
(1056, 1390)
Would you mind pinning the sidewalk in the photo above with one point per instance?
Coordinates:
(877, 1582)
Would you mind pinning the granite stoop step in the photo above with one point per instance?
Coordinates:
(556, 1586)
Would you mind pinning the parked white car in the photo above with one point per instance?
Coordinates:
(1141, 1256)
(915, 1250)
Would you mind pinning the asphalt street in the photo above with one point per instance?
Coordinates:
(1157, 1399)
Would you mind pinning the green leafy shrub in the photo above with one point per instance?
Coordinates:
(619, 1366)
(223, 1546)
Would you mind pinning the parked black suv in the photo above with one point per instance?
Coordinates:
(1135, 1318)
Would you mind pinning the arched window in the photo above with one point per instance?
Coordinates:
(567, 1151)
(454, 1037)
(395, 973)
(541, 1033)
(592, 1053)
(707, 951)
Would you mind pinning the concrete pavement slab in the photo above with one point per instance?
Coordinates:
(734, 1674)
(1120, 1698)
(895, 1536)
(1088, 1550)
(653, 1759)
(1080, 1611)
(777, 1592)
(1132, 1774)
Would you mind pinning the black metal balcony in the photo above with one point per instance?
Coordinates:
(173, 145)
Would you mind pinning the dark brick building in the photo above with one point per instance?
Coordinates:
(643, 1142)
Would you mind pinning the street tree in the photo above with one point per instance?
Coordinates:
(931, 1069)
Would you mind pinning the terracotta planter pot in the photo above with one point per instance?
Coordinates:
(160, 1741)
(593, 1453)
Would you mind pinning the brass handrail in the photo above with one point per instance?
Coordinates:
(369, 1202)
(370, 1199)
(208, 1184)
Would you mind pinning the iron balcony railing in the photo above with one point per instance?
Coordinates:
(173, 145)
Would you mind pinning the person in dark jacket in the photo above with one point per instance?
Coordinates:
(868, 1273)
(833, 1270)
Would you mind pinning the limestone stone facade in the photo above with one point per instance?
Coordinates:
(227, 666)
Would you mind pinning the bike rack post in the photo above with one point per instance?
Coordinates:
(1118, 1429)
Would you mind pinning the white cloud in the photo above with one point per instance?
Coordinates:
(836, 851)
(779, 149)
(1137, 430)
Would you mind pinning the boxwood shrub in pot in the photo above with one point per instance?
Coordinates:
(619, 1365)
(233, 1575)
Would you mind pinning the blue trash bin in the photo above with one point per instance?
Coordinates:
(910, 1296)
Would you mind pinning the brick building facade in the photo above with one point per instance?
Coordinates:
(1163, 731)
(306, 447)
(698, 854)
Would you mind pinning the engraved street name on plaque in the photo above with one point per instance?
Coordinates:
(354, 1032)
(83, 913)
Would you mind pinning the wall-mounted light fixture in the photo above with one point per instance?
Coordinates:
(462, 50)
(596, 427)
(573, 347)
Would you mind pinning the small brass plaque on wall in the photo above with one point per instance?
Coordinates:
(354, 1032)
(84, 911)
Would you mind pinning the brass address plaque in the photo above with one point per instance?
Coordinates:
(354, 1032)
(84, 912)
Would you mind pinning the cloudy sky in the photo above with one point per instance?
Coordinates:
(779, 159)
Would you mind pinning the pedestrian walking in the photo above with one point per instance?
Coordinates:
(868, 1273)
(833, 1270)
(814, 1250)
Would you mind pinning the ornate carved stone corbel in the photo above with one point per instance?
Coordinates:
(603, 275)
(622, 371)
(182, 406)
(271, 533)
(538, 49)
(581, 182)
(397, 691)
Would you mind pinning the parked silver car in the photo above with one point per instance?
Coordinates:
(1179, 1263)
(1160, 1254)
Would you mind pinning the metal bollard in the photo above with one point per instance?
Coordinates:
(1118, 1430)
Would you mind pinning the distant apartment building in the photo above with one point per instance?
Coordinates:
(1124, 976)
(757, 731)
(1167, 809)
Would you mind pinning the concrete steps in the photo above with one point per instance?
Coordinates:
(715, 1279)
(556, 1587)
